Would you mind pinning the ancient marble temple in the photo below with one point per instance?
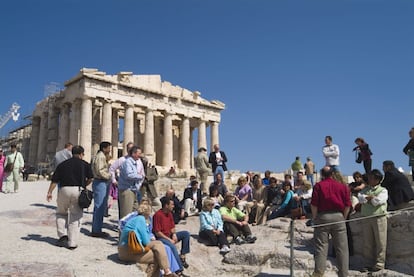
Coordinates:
(169, 122)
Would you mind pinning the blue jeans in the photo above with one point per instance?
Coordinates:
(310, 179)
(100, 201)
(184, 237)
(219, 169)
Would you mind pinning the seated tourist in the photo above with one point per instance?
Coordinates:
(178, 212)
(192, 199)
(303, 197)
(156, 254)
(219, 183)
(288, 203)
(216, 196)
(164, 230)
(243, 193)
(211, 226)
(235, 222)
(272, 197)
(255, 208)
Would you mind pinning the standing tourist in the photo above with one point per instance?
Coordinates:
(16, 159)
(296, 167)
(409, 150)
(310, 170)
(131, 176)
(2, 163)
(373, 201)
(100, 187)
(218, 161)
(203, 168)
(331, 153)
(62, 155)
(330, 204)
(400, 192)
(363, 154)
(71, 175)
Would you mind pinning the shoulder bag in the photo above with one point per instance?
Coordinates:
(134, 246)
(9, 167)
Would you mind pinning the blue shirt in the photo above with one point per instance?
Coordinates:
(211, 220)
(130, 175)
(139, 226)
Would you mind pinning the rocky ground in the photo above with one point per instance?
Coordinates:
(28, 236)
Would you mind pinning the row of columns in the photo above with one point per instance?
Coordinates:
(75, 124)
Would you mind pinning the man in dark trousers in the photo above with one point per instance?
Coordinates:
(218, 161)
(330, 203)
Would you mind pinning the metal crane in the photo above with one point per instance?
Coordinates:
(12, 113)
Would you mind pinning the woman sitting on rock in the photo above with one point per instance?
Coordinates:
(156, 254)
(211, 226)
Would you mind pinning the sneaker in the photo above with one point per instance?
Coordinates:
(239, 241)
(183, 262)
(250, 239)
(62, 241)
(72, 247)
(225, 249)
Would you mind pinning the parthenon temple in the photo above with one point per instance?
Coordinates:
(159, 117)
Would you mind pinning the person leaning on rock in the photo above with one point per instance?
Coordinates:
(70, 175)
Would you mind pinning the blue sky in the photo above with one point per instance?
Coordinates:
(289, 72)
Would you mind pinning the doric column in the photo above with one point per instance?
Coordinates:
(34, 140)
(149, 136)
(86, 128)
(128, 126)
(115, 133)
(41, 149)
(168, 141)
(106, 130)
(185, 152)
(202, 139)
(214, 128)
(52, 130)
(63, 127)
(75, 123)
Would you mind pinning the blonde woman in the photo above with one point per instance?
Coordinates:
(211, 226)
(157, 255)
(255, 209)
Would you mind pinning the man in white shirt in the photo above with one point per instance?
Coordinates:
(331, 153)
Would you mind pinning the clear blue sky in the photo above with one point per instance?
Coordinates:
(289, 72)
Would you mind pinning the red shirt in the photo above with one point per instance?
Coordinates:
(329, 195)
(163, 223)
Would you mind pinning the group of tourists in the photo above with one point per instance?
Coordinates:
(225, 216)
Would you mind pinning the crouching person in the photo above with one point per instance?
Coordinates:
(155, 251)
(236, 222)
(211, 226)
